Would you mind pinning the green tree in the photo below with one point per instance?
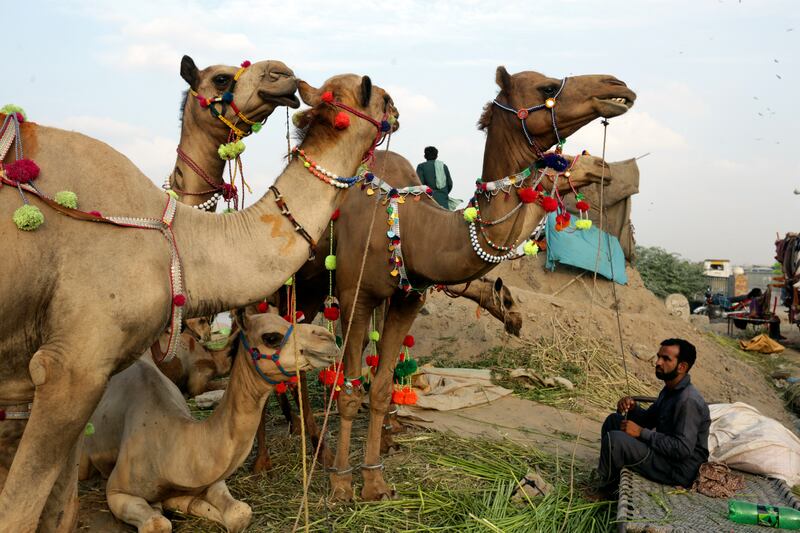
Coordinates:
(666, 273)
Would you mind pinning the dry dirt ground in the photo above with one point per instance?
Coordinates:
(451, 329)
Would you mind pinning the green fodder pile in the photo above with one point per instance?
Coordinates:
(443, 483)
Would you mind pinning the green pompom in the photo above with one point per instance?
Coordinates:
(255, 128)
(339, 341)
(330, 262)
(173, 194)
(289, 282)
(89, 431)
(28, 217)
(228, 210)
(231, 150)
(470, 214)
(530, 248)
(67, 199)
(374, 336)
(12, 108)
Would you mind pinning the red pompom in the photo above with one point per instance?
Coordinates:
(299, 316)
(20, 118)
(398, 397)
(356, 383)
(428, 190)
(335, 215)
(402, 356)
(96, 214)
(331, 313)
(372, 360)
(341, 121)
(263, 307)
(246, 63)
(203, 101)
(327, 97)
(582, 206)
(22, 171)
(179, 300)
(549, 204)
(408, 341)
(528, 195)
(293, 379)
(280, 388)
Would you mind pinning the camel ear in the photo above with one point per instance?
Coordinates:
(310, 95)
(366, 90)
(498, 285)
(189, 72)
(503, 79)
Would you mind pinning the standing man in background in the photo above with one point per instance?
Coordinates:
(436, 175)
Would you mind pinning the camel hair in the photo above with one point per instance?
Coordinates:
(66, 317)
(448, 258)
(155, 453)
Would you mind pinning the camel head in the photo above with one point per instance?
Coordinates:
(586, 170)
(505, 307)
(329, 107)
(576, 101)
(306, 348)
(199, 328)
(259, 89)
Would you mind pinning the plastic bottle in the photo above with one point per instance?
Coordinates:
(763, 515)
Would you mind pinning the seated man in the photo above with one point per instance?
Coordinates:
(666, 443)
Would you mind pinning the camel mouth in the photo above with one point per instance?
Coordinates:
(319, 359)
(513, 324)
(289, 100)
(613, 106)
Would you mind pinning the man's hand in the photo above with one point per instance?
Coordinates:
(625, 404)
(631, 428)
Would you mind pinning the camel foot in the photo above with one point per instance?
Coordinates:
(342, 487)
(237, 516)
(156, 524)
(375, 488)
(262, 464)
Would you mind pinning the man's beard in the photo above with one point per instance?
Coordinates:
(669, 376)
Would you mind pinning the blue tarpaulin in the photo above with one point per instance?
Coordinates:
(578, 248)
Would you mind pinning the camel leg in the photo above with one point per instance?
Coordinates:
(60, 513)
(349, 404)
(136, 511)
(263, 462)
(236, 514)
(67, 391)
(288, 414)
(193, 506)
(402, 311)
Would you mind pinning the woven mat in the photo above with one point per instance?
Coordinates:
(648, 507)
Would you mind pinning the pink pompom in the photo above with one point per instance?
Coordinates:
(179, 300)
(245, 63)
(22, 171)
(20, 118)
(341, 121)
(327, 97)
(96, 214)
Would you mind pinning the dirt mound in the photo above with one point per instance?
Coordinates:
(450, 329)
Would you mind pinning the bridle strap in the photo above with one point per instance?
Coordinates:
(255, 355)
(522, 115)
(281, 203)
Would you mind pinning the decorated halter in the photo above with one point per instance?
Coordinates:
(256, 355)
(523, 113)
(226, 99)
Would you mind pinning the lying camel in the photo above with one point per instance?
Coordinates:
(156, 455)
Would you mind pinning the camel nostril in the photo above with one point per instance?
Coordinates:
(615, 81)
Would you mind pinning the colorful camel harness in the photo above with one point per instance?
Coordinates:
(10, 134)
(256, 356)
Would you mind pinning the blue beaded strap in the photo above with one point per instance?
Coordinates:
(275, 358)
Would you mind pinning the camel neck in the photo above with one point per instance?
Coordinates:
(231, 260)
(199, 142)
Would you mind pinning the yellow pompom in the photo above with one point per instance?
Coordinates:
(28, 217)
(583, 223)
(67, 199)
(470, 214)
(289, 282)
(330, 262)
(374, 336)
(172, 193)
(530, 248)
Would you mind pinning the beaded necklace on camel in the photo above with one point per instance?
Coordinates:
(21, 175)
(230, 151)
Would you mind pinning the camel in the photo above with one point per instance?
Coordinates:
(493, 296)
(156, 454)
(194, 366)
(513, 141)
(66, 316)
(257, 99)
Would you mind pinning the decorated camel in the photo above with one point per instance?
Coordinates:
(509, 203)
(257, 98)
(493, 296)
(88, 314)
(184, 468)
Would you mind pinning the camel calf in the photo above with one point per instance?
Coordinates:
(157, 456)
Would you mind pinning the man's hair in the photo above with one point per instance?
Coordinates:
(431, 153)
(687, 353)
(755, 293)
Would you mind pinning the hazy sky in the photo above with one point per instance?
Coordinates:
(717, 83)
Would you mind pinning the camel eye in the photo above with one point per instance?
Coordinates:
(272, 339)
(550, 90)
(221, 80)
